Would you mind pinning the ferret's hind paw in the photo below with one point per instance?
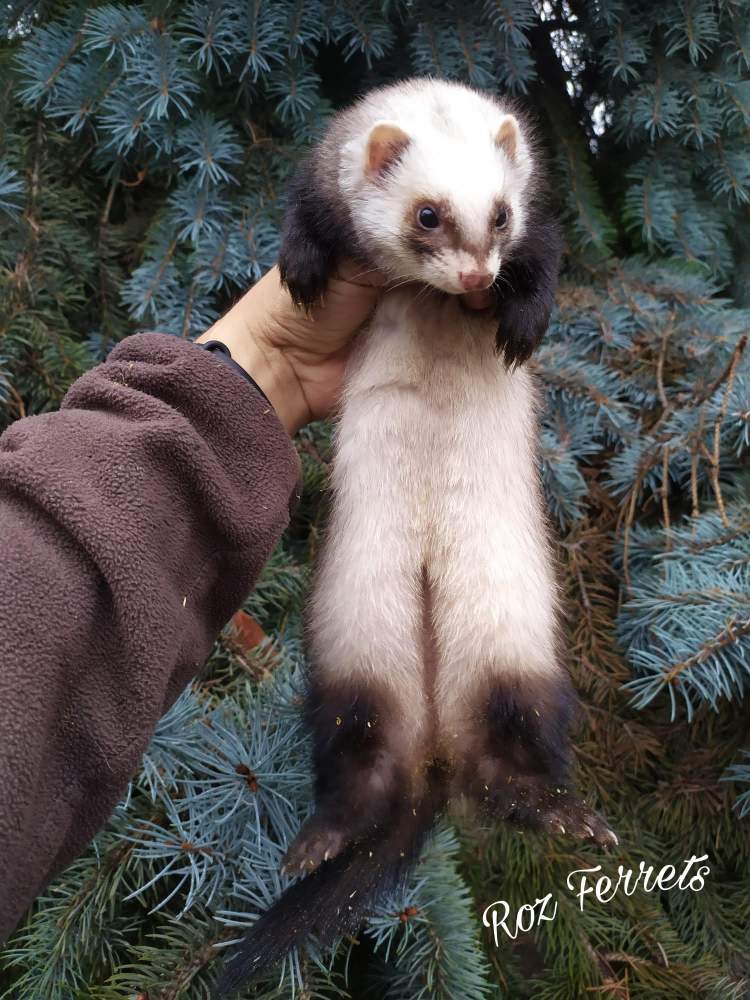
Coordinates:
(553, 810)
(315, 843)
(572, 817)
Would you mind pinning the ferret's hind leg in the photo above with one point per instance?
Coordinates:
(366, 704)
(503, 699)
(518, 768)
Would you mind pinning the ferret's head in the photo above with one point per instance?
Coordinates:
(438, 194)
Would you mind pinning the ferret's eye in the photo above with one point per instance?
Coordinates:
(428, 218)
(503, 216)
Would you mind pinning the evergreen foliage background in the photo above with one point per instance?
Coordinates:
(143, 159)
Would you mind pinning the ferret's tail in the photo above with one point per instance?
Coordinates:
(335, 898)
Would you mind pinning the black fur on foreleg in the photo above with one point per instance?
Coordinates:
(520, 768)
(316, 234)
(525, 290)
(361, 777)
(307, 255)
(305, 268)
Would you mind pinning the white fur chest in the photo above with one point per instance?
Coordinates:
(427, 397)
(435, 467)
(421, 343)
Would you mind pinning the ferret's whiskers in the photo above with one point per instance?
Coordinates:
(423, 291)
(399, 282)
(361, 274)
(501, 278)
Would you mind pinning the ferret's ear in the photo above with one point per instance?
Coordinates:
(385, 143)
(508, 137)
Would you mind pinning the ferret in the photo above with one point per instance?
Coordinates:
(433, 632)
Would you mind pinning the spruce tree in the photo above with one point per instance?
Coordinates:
(144, 156)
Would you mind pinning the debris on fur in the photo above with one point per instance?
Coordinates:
(314, 844)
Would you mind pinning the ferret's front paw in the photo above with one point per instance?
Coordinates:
(316, 842)
(305, 271)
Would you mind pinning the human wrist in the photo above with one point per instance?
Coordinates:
(265, 364)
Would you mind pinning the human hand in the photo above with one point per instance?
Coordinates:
(298, 359)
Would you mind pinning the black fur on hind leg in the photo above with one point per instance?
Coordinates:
(361, 777)
(519, 770)
(336, 897)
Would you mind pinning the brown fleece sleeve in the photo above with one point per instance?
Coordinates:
(133, 523)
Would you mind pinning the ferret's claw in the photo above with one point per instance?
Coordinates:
(612, 838)
(315, 843)
(597, 830)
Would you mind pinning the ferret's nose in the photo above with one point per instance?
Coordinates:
(473, 281)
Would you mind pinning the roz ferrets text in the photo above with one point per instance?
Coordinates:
(585, 882)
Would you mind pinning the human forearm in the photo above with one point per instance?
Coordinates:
(132, 524)
(246, 331)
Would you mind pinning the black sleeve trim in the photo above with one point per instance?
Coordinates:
(222, 352)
